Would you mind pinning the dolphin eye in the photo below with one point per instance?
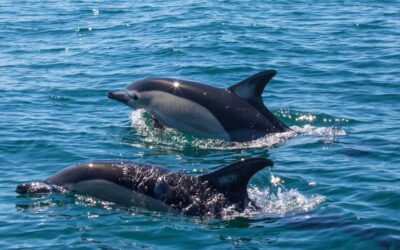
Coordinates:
(132, 95)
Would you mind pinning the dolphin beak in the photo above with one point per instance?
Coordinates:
(121, 96)
(33, 188)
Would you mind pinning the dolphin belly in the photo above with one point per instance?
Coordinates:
(185, 115)
(110, 191)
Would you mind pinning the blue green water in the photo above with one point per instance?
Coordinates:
(335, 183)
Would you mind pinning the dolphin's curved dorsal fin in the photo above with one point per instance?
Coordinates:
(252, 87)
(251, 90)
(232, 180)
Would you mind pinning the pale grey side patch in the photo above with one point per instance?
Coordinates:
(102, 189)
(110, 191)
(183, 114)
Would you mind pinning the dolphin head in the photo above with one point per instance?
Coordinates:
(131, 96)
(139, 93)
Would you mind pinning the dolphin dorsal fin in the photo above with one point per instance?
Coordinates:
(252, 87)
(251, 90)
(232, 180)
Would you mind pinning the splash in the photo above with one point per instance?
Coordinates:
(274, 201)
(284, 201)
(271, 203)
(141, 121)
(318, 131)
(93, 202)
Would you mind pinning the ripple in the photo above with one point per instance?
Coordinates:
(337, 87)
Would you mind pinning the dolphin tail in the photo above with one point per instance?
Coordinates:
(251, 90)
(232, 180)
(34, 188)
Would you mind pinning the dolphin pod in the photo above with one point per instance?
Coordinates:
(236, 113)
(155, 188)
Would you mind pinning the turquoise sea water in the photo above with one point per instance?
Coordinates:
(335, 183)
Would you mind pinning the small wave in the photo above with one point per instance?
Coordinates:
(284, 201)
(273, 204)
(307, 118)
(319, 131)
(141, 121)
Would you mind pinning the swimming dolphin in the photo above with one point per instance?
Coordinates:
(134, 184)
(236, 113)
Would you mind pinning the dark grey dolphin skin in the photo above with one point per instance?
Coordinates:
(236, 113)
(134, 184)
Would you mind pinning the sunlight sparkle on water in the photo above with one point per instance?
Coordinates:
(276, 180)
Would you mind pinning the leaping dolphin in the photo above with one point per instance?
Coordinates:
(236, 113)
(134, 184)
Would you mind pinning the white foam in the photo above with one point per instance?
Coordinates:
(276, 204)
(93, 202)
(319, 131)
(172, 137)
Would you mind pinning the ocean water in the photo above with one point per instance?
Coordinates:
(335, 182)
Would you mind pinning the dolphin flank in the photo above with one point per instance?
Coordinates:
(133, 184)
(236, 113)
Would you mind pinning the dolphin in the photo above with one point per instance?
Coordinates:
(236, 113)
(134, 184)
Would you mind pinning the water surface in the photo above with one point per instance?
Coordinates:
(335, 183)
